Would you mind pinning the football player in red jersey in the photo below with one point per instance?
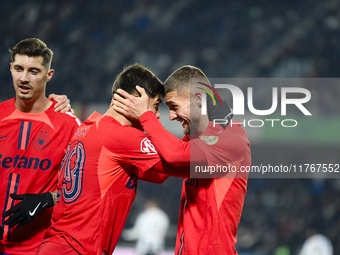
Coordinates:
(32, 144)
(100, 172)
(210, 207)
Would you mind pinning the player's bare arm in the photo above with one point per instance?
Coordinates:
(63, 103)
(131, 106)
(54, 197)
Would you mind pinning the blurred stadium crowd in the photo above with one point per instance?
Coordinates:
(282, 213)
(93, 40)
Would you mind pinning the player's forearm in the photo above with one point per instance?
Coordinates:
(152, 176)
(173, 150)
(166, 169)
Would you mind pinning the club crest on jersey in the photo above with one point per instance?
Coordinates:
(147, 147)
(41, 141)
(210, 140)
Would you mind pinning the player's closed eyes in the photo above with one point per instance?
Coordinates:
(173, 107)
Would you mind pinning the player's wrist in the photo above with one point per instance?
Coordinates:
(146, 109)
(49, 196)
(54, 197)
(146, 116)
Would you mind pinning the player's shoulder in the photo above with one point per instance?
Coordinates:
(8, 102)
(67, 118)
(235, 128)
(235, 133)
(71, 117)
(233, 136)
(113, 133)
(113, 127)
(7, 107)
(64, 119)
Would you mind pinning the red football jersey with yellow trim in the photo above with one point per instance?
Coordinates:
(32, 146)
(98, 183)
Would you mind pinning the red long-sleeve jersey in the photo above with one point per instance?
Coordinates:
(211, 208)
(98, 183)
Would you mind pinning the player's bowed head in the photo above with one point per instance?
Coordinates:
(125, 93)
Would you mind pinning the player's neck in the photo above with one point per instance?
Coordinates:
(118, 117)
(204, 123)
(37, 106)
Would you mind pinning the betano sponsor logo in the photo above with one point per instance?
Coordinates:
(25, 162)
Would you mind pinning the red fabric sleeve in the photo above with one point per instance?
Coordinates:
(152, 176)
(127, 144)
(165, 168)
(173, 150)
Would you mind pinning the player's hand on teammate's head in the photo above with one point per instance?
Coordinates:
(63, 103)
(131, 106)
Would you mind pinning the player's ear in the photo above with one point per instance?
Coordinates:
(138, 94)
(198, 99)
(49, 74)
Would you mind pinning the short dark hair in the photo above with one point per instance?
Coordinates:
(137, 74)
(181, 78)
(33, 47)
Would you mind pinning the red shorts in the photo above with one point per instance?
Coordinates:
(49, 248)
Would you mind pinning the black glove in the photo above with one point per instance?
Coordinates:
(222, 114)
(30, 206)
(1, 232)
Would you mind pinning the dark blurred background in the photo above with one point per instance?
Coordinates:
(93, 40)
